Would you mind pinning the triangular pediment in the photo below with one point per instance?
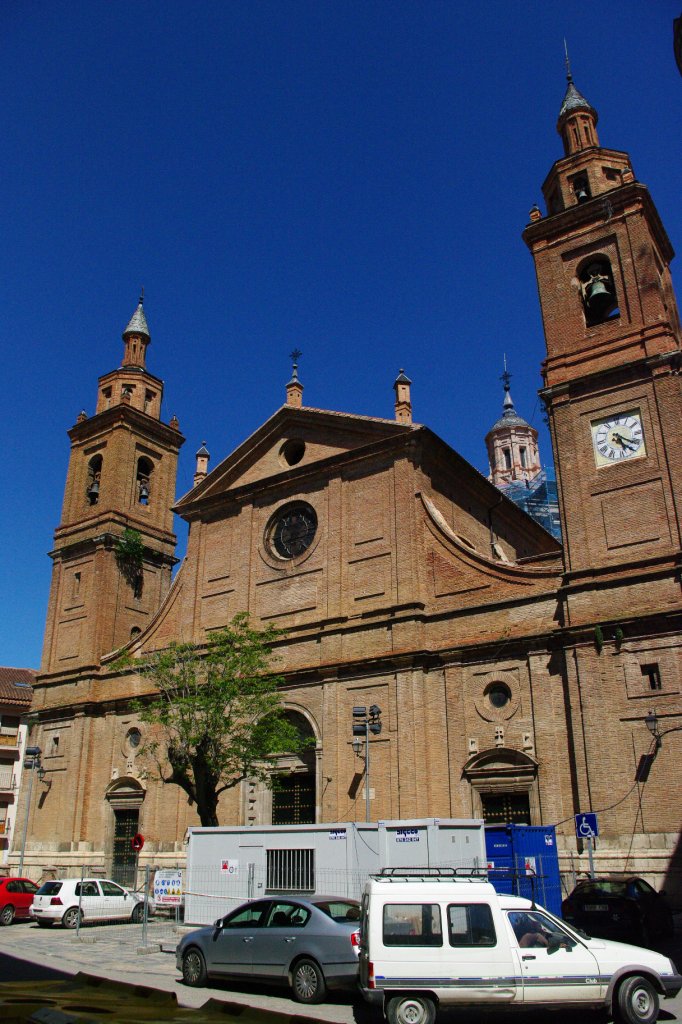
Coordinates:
(291, 442)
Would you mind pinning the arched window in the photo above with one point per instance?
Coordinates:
(94, 475)
(600, 302)
(145, 469)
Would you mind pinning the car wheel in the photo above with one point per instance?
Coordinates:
(71, 918)
(7, 914)
(194, 968)
(138, 913)
(636, 1001)
(44, 924)
(307, 982)
(411, 1010)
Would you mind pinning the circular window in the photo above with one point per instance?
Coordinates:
(292, 452)
(499, 695)
(134, 738)
(292, 531)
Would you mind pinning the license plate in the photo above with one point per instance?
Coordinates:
(597, 906)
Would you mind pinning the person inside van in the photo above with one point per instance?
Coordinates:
(528, 930)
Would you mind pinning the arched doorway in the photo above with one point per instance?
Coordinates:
(503, 786)
(125, 797)
(293, 784)
(292, 797)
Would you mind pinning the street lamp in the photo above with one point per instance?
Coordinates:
(651, 722)
(33, 763)
(364, 723)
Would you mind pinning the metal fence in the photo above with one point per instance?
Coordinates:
(155, 915)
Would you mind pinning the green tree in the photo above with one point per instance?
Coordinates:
(217, 717)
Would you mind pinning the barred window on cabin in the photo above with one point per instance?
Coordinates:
(290, 871)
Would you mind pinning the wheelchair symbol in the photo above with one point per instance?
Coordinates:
(585, 829)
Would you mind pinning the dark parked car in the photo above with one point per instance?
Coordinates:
(311, 942)
(619, 908)
(16, 897)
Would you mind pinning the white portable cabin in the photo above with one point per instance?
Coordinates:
(227, 865)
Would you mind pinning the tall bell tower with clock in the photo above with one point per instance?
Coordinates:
(611, 377)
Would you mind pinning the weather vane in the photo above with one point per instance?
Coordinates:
(506, 376)
(295, 356)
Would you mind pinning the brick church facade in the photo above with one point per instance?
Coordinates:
(513, 673)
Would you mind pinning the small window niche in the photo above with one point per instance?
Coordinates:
(506, 452)
(581, 188)
(94, 476)
(145, 469)
(651, 673)
(598, 290)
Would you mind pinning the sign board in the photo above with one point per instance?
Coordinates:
(337, 833)
(230, 867)
(168, 888)
(530, 866)
(407, 835)
(586, 826)
(137, 842)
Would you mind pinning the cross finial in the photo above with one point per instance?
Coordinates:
(295, 356)
(569, 76)
(506, 376)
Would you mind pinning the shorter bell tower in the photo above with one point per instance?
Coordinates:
(121, 477)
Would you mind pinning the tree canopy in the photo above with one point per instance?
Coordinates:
(217, 717)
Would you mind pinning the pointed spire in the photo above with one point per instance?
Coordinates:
(577, 123)
(136, 337)
(138, 321)
(294, 387)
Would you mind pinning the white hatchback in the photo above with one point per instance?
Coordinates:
(70, 900)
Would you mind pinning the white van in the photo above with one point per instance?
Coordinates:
(434, 939)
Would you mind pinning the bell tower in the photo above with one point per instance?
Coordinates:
(611, 376)
(121, 476)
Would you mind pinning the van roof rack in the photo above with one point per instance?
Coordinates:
(448, 874)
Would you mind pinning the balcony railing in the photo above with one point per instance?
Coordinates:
(8, 784)
(9, 739)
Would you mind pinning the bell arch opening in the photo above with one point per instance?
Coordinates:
(598, 290)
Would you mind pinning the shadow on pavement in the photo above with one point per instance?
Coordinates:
(13, 969)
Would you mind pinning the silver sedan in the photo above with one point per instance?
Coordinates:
(311, 942)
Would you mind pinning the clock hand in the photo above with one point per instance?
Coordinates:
(623, 441)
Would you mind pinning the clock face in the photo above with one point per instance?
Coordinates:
(618, 438)
(293, 531)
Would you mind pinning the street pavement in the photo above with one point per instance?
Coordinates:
(29, 953)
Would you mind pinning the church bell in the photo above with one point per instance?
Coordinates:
(597, 296)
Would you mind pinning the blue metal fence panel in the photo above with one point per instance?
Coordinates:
(523, 861)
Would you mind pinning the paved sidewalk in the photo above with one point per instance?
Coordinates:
(98, 952)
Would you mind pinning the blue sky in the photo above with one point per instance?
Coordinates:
(351, 178)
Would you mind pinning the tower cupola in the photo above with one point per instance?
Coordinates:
(577, 124)
(136, 337)
(512, 444)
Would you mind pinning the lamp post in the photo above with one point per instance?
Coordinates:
(33, 763)
(364, 723)
(651, 722)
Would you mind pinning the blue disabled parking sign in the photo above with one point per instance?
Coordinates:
(586, 826)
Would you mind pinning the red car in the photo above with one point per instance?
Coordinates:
(16, 897)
